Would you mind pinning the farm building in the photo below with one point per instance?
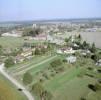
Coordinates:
(71, 59)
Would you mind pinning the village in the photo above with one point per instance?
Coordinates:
(38, 55)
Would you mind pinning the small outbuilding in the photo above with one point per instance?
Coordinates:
(71, 59)
(98, 62)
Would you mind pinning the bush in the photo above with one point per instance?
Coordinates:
(27, 78)
(56, 63)
(92, 87)
(9, 62)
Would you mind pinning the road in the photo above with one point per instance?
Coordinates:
(23, 71)
(18, 85)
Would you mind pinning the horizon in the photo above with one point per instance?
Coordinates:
(21, 10)
(55, 19)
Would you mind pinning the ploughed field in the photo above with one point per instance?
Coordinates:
(87, 36)
(14, 42)
(8, 91)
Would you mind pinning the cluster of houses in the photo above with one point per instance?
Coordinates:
(13, 33)
(27, 53)
(67, 50)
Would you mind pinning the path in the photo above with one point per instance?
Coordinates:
(23, 71)
(18, 85)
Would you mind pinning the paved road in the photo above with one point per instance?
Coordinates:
(18, 85)
(23, 71)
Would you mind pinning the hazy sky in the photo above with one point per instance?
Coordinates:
(48, 9)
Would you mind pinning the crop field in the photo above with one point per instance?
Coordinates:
(8, 91)
(69, 85)
(14, 42)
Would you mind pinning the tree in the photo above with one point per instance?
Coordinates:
(37, 51)
(32, 32)
(43, 50)
(38, 89)
(79, 37)
(56, 64)
(27, 78)
(93, 48)
(9, 62)
(85, 45)
(68, 41)
(1, 51)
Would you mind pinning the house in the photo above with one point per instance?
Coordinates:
(54, 39)
(67, 50)
(98, 62)
(42, 37)
(12, 34)
(71, 59)
(26, 53)
(85, 52)
(19, 58)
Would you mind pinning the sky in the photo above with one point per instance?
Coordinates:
(16, 10)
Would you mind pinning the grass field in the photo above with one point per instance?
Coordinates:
(8, 91)
(68, 85)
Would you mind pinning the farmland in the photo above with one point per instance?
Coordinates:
(70, 84)
(67, 81)
(8, 91)
(14, 42)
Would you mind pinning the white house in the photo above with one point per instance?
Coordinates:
(98, 62)
(10, 34)
(71, 59)
(66, 51)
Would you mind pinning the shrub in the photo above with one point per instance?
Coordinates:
(27, 78)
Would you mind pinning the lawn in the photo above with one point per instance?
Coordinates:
(8, 91)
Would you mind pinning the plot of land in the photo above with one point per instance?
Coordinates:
(14, 42)
(72, 84)
(8, 91)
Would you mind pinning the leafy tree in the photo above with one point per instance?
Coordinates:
(56, 64)
(68, 41)
(43, 50)
(1, 51)
(9, 62)
(27, 78)
(93, 48)
(38, 89)
(32, 32)
(79, 37)
(85, 45)
(37, 51)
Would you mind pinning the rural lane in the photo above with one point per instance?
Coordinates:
(23, 71)
(18, 85)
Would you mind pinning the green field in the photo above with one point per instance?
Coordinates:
(68, 85)
(8, 91)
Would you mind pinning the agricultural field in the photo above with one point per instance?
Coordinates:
(62, 79)
(14, 42)
(70, 84)
(8, 91)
